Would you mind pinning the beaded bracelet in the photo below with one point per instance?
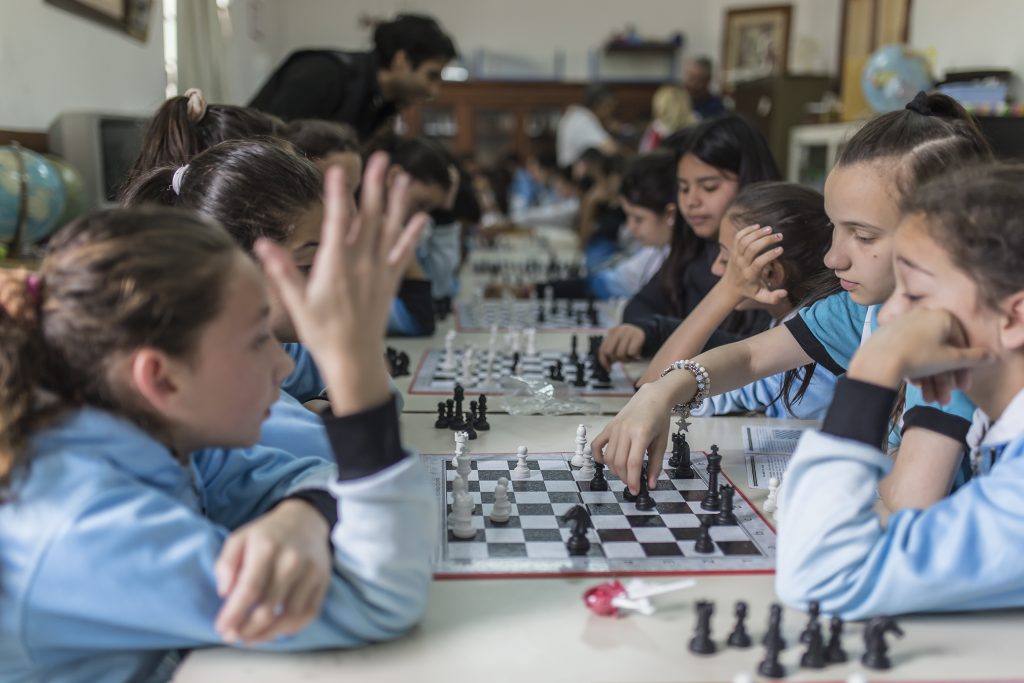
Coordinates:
(700, 374)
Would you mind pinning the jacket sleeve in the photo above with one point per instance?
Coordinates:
(833, 548)
(439, 256)
(763, 396)
(305, 382)
(151, 562)
(648, 302)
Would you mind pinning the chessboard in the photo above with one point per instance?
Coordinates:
(431, 377)
(532, 543)
(545, 315)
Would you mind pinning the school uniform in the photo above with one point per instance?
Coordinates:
(439, 253)
(619, 278)
(961, 553)
(832, 329)
(108, 548)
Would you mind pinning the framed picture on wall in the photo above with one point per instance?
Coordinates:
(130, 16)
(756, 43)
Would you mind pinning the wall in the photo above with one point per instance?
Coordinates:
(52, 61)
(965, 35)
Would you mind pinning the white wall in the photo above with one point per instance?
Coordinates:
(966, 35)
(52, 61)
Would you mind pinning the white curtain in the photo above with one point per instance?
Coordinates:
(203, 50)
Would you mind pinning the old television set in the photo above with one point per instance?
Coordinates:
(102, 147)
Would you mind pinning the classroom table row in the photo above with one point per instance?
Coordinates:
(495, 630)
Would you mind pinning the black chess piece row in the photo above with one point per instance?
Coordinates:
(398, 361)
(450, 415)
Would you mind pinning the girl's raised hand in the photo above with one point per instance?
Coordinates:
(753, 250)
(340, 312)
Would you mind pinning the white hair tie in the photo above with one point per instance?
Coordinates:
(176, 180)
(196, 104)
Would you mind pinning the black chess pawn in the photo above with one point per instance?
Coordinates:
(442, 418)
(598, 483)
(515, 362)
(574, 350)
(739, 636)
(704, 543)
(481, 423)
(581, 374)
(559, 371)
(834, 652)
(813, 613)
(770, 667)
(876, 655)
(814, 657)
(701, 643)
(774, 634)
(726, 516)
(644, 501)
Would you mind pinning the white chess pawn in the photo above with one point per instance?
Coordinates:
(588, 470)
(449, 350)
(502, 507)
(522, 470)
(459, 487)
(771, 502)
(466, 377)
(581, 440)
(531, 341)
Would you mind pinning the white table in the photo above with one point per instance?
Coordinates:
(538, 629)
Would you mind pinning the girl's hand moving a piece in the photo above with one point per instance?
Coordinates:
(623, 343)
(744, 271)
(341, 312)
(924, 346)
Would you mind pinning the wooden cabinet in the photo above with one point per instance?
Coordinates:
(490, 119)
(776, 104)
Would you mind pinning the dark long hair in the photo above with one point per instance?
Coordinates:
(728, 143)
(798, 213)
(110, 282)
(254, 188)
(175, 134)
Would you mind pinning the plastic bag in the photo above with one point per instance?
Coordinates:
(524, 396)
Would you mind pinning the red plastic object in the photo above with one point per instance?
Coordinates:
(599, 598)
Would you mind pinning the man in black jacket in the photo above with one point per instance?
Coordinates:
(362, 89)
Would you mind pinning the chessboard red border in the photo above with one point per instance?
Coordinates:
(442, 392)
(475, 576)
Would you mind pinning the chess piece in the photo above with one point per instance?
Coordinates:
(449, 411)
(458, 422)
(588, 471)
(481, 423)
(713, 498)
(813, 613)
(581, 374)
(574, 350)
(774, 634)
(834, 652)
(770, 667)
(814, 656)
(442, 418)
(502, 507)
(578, 543)
(701, 643)
(522, 470)
(459, 487)
(644, 501)
(739, 636)
(470, 419)
(599, 483)
(461, 459)
(704, 544)
(726, 516)
(581, 440)
(401, 364)
(515, 363)
(462, 516)
(466, 377)
(449, 351)
(771, 502)
(876, 655)
(531, 341)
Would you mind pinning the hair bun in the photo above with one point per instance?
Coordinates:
(921, 104)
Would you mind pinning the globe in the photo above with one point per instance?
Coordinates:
(24, 171)
(893, 75)
(76, 199)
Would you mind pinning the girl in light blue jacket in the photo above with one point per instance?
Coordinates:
(954, 321)
(138, 521)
